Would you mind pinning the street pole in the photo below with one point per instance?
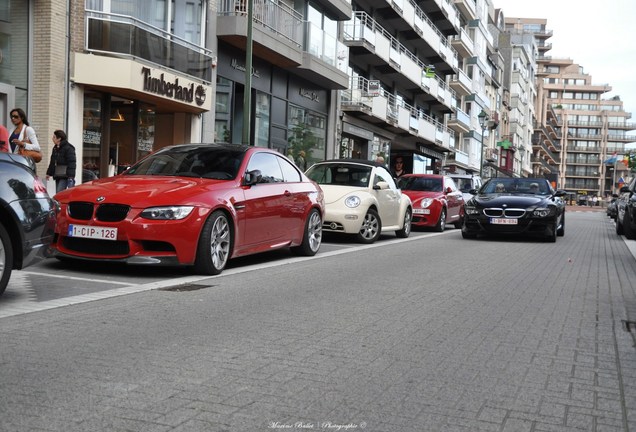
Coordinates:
(247, 96)
(483, 119)
(613, 179)
(481, 158)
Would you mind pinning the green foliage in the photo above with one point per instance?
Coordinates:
(301, 138)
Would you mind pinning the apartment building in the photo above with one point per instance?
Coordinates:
(478, 83)
(590, 129)
(575, 130)
(126, 77)
(519, 44)
(400, 56)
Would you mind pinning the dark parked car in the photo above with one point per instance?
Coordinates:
(515, 206)
(626, 211)
(611, 207)
(27, 216)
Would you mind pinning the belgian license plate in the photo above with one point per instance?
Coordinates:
(93, 232)
(499, 221)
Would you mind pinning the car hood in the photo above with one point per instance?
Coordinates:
(521, 200)
(419, 195)
(142, 191)
(337, 193)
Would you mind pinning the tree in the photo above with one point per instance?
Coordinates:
(301, 138)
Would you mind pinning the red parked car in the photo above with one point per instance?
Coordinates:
(436, 200)
(195, 205)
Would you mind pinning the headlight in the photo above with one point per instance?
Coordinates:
(167, 213)
(470, 210)
(426, 202)
(542, 212)
(352, 201)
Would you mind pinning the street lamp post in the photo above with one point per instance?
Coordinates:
(483, 119)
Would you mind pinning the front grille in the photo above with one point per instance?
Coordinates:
(499, 212)
(157, 246)
(111, 212)
(96, 246)
(80, 210)
(332, 226)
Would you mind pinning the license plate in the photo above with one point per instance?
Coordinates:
(93, 232)
(421, 211)
(497, 221)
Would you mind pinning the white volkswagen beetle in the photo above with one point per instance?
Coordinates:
(361, 198)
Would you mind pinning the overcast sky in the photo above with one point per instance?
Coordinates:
(600, 36)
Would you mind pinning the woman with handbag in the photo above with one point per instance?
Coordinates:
(63, 162)
(23, 139)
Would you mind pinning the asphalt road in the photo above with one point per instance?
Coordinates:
(431, 333)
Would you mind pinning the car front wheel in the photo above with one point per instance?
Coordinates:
(312, 237)
(6, 258)
(371, 227)
(406, 227)
(215, 242)
(561, 230)
(628, 229)
(619, 226)
(441, 223)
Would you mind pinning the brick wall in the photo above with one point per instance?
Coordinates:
(48, 109)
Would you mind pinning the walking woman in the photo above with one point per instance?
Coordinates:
(63, 162)
(23, 135)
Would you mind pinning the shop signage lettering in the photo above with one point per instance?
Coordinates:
(312, 95)
(91, 137)
(169, 89)
(235, 64)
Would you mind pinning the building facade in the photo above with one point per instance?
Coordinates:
(448, 86)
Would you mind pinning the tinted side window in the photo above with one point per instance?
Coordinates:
(268, 165)
(290, 174)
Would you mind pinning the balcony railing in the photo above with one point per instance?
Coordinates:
(387, 107)
(326, 47)
(363, 28)
(126, 36)
(278, 18)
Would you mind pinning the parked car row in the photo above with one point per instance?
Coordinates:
(626, 211)
(200, 205)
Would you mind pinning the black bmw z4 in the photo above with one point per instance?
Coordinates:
(515, 206)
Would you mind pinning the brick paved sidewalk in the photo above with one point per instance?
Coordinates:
(521, 336)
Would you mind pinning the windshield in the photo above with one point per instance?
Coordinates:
(202, 161)
(516, 186)
(463, 184)
(340, 174)
(423, 184)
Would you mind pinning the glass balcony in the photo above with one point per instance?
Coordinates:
(128, 37)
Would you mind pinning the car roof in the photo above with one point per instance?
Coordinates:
(466, 176)
(353, 161)
(228, 146)
(426, 175)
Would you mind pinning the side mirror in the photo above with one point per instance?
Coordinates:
(252, 177)
(381, 185)
(560, 193)
(449, 190)
(624, 189)
(473, 191)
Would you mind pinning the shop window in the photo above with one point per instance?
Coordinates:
(91, 136)
(307, 131)
(261, 120)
